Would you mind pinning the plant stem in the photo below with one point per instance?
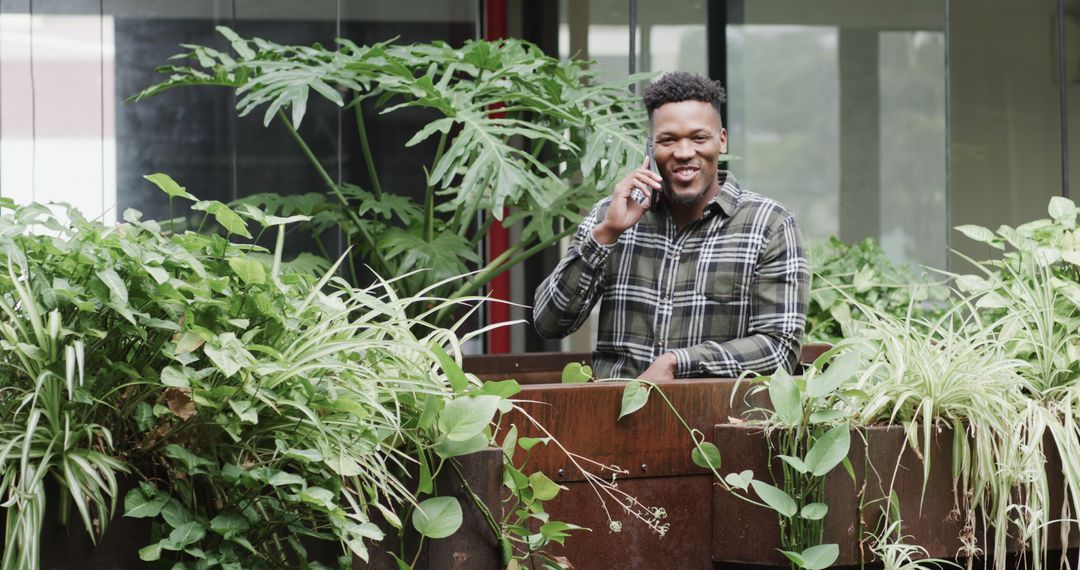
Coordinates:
(365, 148)
(429, 195)
(480, 233)
(477, 501)
(498, 265)
(373, 250)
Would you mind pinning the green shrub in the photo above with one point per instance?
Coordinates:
(523, 138)
(254, 405)
(863, 273)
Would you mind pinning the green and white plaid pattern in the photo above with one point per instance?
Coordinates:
(727, 294)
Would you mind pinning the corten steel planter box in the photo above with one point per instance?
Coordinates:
(546, 367)
(708, 527)
(748, 534)
(473, 546)
(650, 444)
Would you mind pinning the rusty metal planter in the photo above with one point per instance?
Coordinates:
(709, 527)
(749, 534)
(881, 461)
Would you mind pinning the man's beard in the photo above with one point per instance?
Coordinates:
(685, 200)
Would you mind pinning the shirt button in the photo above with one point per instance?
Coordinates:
(661, 344)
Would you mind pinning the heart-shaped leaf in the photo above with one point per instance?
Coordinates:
(464, 418)
(829, 450)
(814, 511)
(780, 501)
(634, 397)
(437, 517)
(706, 455)
(786, 400)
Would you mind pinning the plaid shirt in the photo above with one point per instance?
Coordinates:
(726, 294)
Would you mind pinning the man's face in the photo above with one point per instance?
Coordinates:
(688, 139)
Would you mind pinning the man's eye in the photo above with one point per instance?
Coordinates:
(701, 138)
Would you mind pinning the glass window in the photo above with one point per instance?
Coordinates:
(69, 135)
(913, 154)
(837, 110)
(1004, 113)
(672, 36)
(1072, 93)
(57, 135)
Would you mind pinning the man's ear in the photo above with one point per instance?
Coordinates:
(723, 140)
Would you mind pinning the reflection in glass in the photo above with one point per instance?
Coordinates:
(837, 110)
(1004, 113)
(57, 136)
(913, 159)
(784, 119)
(1072, 93)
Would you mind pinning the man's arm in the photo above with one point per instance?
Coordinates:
(778, 306)
(565, 298)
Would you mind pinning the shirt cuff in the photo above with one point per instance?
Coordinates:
(686, 364)
(592, 252)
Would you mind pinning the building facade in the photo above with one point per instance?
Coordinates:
(868, 118)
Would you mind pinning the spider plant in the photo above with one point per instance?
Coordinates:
(256, 404)
(893, 553)
(256, 410)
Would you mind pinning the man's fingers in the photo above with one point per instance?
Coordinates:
(645, 163)
(647, 178)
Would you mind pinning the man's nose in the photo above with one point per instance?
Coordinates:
(683, 150)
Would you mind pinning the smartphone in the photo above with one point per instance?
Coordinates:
(654, 196)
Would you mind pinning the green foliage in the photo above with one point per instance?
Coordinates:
(437, 517)
(1031, 294)
(576, 373)
(527, 528)
(635, 396)
(1027, 295)
(811, 429)
(253, 405)
(890, 548)
(863, 273)
(811, 423)
(526, 138)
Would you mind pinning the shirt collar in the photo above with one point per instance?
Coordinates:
(727, 199)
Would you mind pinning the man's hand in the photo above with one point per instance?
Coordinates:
(624, 211)
(662, 368)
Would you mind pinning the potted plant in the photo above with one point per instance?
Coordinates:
(253, 414)
(984, 397)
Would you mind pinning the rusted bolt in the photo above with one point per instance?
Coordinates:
(561, 473)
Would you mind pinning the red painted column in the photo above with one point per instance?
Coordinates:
(498, 239)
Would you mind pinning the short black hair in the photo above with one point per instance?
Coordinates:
(682, 86)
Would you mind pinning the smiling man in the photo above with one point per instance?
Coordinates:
(710, 282)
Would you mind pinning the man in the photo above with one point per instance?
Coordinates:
(712, 282)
